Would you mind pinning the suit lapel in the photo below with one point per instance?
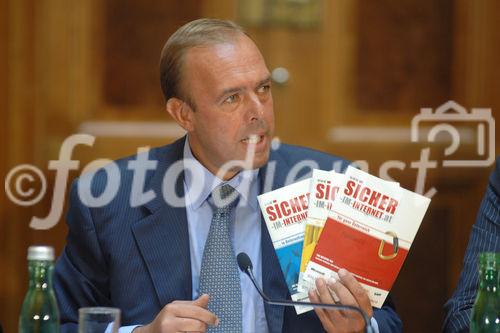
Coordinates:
(162, 236)
(273, 281)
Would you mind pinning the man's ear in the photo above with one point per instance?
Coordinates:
(181, 112)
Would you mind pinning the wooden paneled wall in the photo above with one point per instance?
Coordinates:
(4, 298)
(71, 63)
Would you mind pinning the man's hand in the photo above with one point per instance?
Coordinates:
(349, 292)
(182, 316)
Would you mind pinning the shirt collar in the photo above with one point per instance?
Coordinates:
(200, 182)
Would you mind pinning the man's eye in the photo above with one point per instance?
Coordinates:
(231, 99)
(263, 89)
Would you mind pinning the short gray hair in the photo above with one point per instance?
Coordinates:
(201, 32)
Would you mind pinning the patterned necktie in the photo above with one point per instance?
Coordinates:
(219, 275)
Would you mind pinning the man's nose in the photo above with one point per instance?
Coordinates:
(255, 107)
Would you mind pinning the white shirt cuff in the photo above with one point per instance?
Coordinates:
(129, 329)
(374, 323)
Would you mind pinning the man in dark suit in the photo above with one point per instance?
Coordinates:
(485, 237)
(147, 257)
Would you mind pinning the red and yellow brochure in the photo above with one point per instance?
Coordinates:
(324, 186)
(369, 231)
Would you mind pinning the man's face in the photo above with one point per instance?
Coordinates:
(229, 85)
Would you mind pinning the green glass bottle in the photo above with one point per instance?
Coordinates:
(39, 313)
(486, 311)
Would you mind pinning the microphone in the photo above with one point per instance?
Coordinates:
(246, 267)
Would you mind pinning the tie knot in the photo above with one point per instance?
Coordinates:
(225, 196)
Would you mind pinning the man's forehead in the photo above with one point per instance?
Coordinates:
(231, 60)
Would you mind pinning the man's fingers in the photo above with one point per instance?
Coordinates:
(322, 315)
(190, 310)
(356, 290)
(352, 293)
(324, 294)
(325, 297)
(190, 325)
(202, 301)
(344, 295)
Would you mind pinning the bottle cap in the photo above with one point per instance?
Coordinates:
(40, 253)
(489, 260)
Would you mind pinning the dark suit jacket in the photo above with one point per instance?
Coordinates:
(485, 237)
(137, 259)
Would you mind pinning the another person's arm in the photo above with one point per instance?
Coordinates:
(485, 237)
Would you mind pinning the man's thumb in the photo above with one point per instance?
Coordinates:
(202, 301)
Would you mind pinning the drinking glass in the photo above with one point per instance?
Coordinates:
(98, 320)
